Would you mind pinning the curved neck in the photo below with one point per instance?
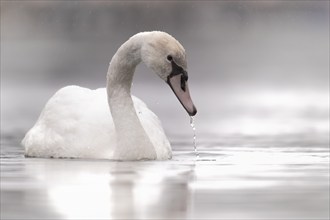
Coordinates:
(132, 140)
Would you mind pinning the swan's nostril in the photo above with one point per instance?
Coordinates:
(183, 83)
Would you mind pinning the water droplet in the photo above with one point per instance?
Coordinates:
(192, 124)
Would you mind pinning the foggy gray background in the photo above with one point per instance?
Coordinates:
(254, 66)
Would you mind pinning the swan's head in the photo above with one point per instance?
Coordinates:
(167, 58)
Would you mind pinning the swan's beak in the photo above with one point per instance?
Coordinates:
(180, 88)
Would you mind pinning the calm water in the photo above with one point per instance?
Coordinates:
(283, 176)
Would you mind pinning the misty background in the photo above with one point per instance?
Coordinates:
(255, 67)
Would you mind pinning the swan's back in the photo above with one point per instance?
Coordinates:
(76, 123)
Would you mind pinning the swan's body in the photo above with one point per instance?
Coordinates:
(76, 122)
(56, 133)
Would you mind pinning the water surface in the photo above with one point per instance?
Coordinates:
(237, 177)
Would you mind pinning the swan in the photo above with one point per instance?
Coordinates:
(110, 123)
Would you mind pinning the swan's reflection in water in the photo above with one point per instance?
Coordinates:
(103, 190)
(86, 196)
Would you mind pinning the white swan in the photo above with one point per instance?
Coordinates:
(76, 122)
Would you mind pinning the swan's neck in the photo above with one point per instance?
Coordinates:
(132, 140)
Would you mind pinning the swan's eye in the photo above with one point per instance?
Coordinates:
(169, 58)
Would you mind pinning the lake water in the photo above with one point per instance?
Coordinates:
(269, 160)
